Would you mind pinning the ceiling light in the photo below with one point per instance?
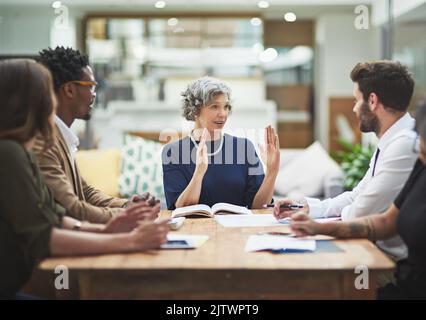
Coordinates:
(160, 4)
(263, 4)
(56, 4)
(290, 17)
(172, 22)
(256, 22)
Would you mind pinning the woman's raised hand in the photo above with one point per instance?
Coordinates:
(202, 161)
(270, 151)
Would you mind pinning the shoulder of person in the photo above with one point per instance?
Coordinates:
(15, 152)
(403, 137)
(11, 147)
(39, 142)
(407, 133)
(402, 143)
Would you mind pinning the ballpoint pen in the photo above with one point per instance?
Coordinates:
(287, 206)
(274, 233)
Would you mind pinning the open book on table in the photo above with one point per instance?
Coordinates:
(203, 210)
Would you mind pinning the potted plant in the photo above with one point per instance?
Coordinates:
(354, 160)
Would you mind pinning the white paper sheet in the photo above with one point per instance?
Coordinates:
(268, 242)
(257, 220)
(252, 220)
(184, 241)
(319, 220)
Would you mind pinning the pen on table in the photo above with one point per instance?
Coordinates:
(287, 206)
(275, 233)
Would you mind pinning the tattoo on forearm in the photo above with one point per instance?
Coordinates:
(361, 228)
(357, 229)
(371, 234)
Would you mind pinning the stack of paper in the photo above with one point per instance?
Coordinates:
(184, 241)
(279, 244)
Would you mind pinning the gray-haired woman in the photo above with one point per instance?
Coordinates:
(222, 168)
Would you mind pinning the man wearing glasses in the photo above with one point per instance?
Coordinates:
(75, 89)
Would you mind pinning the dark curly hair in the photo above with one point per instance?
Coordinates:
(389, 80)
(65, 64)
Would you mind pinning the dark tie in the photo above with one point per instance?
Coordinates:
(375, 160)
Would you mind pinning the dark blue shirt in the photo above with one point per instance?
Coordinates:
(234, 174)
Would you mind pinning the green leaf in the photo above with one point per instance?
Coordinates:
(355, 160)
(346, 145)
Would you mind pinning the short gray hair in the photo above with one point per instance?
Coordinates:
(200, 93)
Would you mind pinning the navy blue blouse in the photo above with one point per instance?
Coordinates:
(234, 174)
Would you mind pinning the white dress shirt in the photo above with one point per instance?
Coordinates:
(374, 194)
(70, 138)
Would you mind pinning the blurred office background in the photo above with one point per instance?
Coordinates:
(287, 61)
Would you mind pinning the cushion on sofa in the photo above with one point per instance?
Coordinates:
(100, 169)
(141, 169)
(305, 175)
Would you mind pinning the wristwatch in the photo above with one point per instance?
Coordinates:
(77, 226)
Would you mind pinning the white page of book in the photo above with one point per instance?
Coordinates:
(268, 242)
(195, 207)
(257, 220)
(230, 207)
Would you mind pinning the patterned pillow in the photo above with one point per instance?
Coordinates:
(141, 168)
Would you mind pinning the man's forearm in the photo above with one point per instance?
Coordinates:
(359, 228)
(379, 226)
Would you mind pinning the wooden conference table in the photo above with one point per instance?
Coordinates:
(221, 269)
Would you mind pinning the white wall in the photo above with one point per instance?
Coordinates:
(24, 30)
(339, 46)
(27, 30)
(400, 7)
